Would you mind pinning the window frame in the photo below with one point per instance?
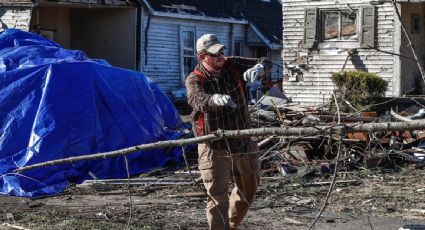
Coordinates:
(366, 28)
(339, 11)
(241, 47)
(183, 29)
(354, 43)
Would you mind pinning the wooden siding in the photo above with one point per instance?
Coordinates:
(317, 86)
(163, 51)
(15, 17)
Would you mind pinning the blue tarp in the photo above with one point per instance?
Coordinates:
(57, 103)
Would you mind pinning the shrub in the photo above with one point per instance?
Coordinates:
(360, 88)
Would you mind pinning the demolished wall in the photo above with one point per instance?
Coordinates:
(308, 68)
(12, 17)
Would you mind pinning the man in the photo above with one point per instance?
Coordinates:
(254, 77)
(217, 93)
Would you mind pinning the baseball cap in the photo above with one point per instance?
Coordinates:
(209, 43)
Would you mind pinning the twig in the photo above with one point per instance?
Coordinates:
(191, 194)
(335, 170)
(277, 145)
(129, 193)
(337, 109)
(279, 115)
(417, 102)
(256, 104)
(368, 107)
(370, 224)
(399, 117)
(392, 53)
(199, 186)
(230, 154)
(349, 52)
(330, 182)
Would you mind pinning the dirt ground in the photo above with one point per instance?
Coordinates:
(379, 199)
(374, 199)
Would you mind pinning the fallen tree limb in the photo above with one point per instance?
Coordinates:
(278, 131)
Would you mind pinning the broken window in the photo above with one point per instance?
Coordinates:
(188, 51)
(237, 51)
(329, 25)
(187, 36)
(339, 25)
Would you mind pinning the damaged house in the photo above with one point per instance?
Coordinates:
(321, 37)
(156, 37)
(170, 30)
(15, 14)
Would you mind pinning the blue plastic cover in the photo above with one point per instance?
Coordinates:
(57, 103)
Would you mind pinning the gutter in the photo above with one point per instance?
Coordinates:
(271, 45)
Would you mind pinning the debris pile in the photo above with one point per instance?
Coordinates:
(303, 154)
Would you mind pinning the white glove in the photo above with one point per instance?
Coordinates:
(252, 74)
(223, 100)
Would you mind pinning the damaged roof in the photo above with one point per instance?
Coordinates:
(216, 9)
(267, 17)
(264, 15)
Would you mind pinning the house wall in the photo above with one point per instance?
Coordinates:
(106, 33)
(162, 62)
(315, 85)
(15, 17)
(54, 24)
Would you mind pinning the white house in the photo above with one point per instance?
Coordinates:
(321, 37)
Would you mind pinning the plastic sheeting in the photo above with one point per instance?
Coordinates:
(57, 103)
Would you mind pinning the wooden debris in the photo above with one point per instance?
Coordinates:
(355, 182)
(10, 217)
(189, 194)
(293, 221)
(140, 181)
(421, 211)
(12, 226)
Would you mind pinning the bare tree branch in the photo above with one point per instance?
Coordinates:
(278, 131)
(331, 187)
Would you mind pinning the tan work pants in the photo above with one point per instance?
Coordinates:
(216, 171)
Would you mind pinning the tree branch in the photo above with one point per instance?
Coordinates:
(278, 131)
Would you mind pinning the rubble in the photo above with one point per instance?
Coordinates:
(361, 149)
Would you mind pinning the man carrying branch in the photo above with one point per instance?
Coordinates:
(217, 93)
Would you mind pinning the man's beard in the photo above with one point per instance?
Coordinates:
(218, 65)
